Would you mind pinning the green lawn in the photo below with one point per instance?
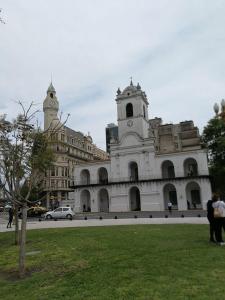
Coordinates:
(124, 262)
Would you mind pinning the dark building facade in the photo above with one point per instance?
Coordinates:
(111, 132)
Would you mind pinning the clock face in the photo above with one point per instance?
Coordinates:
(52, 103)
(130, 123)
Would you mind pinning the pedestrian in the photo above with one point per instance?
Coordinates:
(188, 204)
(220, 207)
(170, 206)
(10, 212)
(223, 221)
(211, 219)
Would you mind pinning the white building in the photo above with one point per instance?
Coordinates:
(150, 164)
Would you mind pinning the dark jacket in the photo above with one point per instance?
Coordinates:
(10, 213)
(210, 210)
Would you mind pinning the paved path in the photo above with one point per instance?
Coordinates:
(107, 222)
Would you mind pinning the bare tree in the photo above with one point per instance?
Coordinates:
(25, 156)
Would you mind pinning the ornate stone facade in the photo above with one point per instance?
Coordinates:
(70, 148)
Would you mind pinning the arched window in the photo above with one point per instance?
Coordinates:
(144, 111)
(190, 167)
(129, 110)
(133, 171)
(85, 177)
(168, 169)
(102, 176)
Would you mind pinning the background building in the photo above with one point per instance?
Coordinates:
(70, 148)
(111, 133)
(150, 164)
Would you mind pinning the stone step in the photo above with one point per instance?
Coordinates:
(141, 214)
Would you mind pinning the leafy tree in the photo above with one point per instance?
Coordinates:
(214, 138)
(25, 155)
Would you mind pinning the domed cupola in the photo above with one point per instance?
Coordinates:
(130, 90)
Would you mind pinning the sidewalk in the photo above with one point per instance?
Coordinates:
(107, 222)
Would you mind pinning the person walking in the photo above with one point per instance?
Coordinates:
(9, 225)
(220, 206)
(211, 219)
(170, 207)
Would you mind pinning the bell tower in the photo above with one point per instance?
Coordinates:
(132, 111)
(50, 106)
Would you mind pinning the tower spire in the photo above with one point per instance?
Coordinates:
(131, 82)
(51, 88)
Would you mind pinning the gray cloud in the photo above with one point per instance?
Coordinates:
(174, 48)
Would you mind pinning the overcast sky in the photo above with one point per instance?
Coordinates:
(175, 49)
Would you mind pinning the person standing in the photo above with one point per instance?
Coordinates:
(223, 221)
(211, 219)
(170, 206)
(188, 204)
(220, 205)
(9, 225)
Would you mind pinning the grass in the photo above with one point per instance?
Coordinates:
(125, 262)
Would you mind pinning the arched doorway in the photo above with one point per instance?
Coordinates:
(102, 176)
(193, 195)
(135, 199)
(168, 169)
(85, 177)
(133, 171)
(85, 201)
(170, 195)
(103, 200)
(190, 167)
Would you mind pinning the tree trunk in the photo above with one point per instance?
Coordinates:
(22, 242)
(16, 224)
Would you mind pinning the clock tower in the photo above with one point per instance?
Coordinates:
(132, 111)
(50, 107)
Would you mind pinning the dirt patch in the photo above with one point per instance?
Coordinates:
(13, 274)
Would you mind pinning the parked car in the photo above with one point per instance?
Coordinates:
(7, 206)
(60, 213)
(34, 211)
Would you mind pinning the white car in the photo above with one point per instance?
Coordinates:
(60, 213)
